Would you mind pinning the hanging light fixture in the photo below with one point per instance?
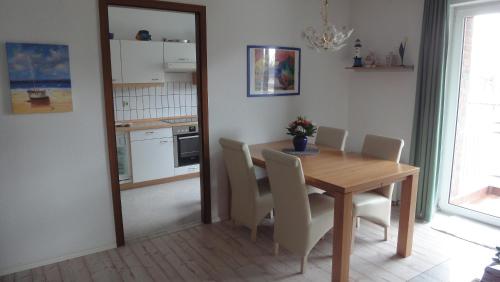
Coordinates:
(329, 38)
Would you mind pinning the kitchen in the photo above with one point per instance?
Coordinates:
(153, 62)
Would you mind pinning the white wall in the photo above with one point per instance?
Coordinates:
(55, 197)
(232, 25)
(383, 103)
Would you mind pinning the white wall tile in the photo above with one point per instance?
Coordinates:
(174, 99)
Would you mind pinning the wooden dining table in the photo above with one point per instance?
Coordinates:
(342, 175)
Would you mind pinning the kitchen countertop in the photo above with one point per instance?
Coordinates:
(146, 124)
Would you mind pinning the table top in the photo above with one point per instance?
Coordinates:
(340, 172)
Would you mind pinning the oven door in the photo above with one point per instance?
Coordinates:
(188, 149)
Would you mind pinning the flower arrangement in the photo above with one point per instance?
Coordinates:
(301, 127)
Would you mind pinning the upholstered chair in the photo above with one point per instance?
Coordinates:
(332, 137)
(375, 206)
(301, 219)
(251, 199)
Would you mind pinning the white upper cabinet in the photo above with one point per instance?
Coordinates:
(116, 61)
(180, 52)
(142, 61)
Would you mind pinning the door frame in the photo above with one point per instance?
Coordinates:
(201, 66)
(458, 13)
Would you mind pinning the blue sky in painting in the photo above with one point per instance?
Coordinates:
(37, 61)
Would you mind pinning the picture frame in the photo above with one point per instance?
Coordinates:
(40, 78)
(273, 71)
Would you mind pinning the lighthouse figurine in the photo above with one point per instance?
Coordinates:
(358, 61)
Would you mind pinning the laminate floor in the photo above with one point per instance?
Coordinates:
(224, 252)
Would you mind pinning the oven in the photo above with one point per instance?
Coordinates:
(186, 145)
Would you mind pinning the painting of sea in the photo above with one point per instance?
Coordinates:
(40, 80)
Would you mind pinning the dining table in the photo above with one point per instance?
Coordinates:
(343, 174)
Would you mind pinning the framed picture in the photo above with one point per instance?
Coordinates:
(273, 71)
(40, 80)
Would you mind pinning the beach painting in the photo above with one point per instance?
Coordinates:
(40, 80)
(273, 71)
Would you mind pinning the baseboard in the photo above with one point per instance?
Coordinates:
(55, 260)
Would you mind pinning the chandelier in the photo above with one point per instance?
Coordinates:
(329, 38)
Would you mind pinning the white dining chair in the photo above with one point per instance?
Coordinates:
(334, 138)
(375, 206)
(251, 199)
(301, 219)
(331, 137)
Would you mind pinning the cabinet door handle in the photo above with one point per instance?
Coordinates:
(155, 79)
(150, 132)
(163, 142)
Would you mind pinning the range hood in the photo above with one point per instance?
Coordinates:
(180, 67)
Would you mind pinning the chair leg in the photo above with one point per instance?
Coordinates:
(354, 227)
(358, 222)
(303, 264)
(254, 234)
(276, 249)
(387, 231)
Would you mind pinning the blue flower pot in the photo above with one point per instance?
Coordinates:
(300, 143)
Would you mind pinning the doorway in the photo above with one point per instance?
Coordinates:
(471, 167)
(155, 86)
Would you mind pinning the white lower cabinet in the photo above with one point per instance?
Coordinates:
(152, 159)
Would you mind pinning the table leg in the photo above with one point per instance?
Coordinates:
(407, 215)
(342, 236)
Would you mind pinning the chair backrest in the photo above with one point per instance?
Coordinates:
(241, 172)
(289, 190)
(383, 148)
(332, 137)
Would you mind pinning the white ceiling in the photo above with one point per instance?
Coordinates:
(125, 22)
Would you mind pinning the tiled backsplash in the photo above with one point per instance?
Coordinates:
(175, 98)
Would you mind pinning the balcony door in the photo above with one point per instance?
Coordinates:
(470, 172)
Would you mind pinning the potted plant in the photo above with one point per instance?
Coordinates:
(301, 128)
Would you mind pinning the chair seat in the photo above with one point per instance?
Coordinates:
(312, 190)
(372, 206)
(368, 198)
(321, 205)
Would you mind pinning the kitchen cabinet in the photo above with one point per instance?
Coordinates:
(152, 158)
(175, 52)
(116, 61)
(142, 61)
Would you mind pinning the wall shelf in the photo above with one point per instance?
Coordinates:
(382, 69)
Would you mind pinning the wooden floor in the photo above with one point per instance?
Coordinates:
(224, 252)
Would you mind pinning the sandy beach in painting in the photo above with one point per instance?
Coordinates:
(59, 101)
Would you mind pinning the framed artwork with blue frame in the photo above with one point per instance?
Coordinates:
(273, 71)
